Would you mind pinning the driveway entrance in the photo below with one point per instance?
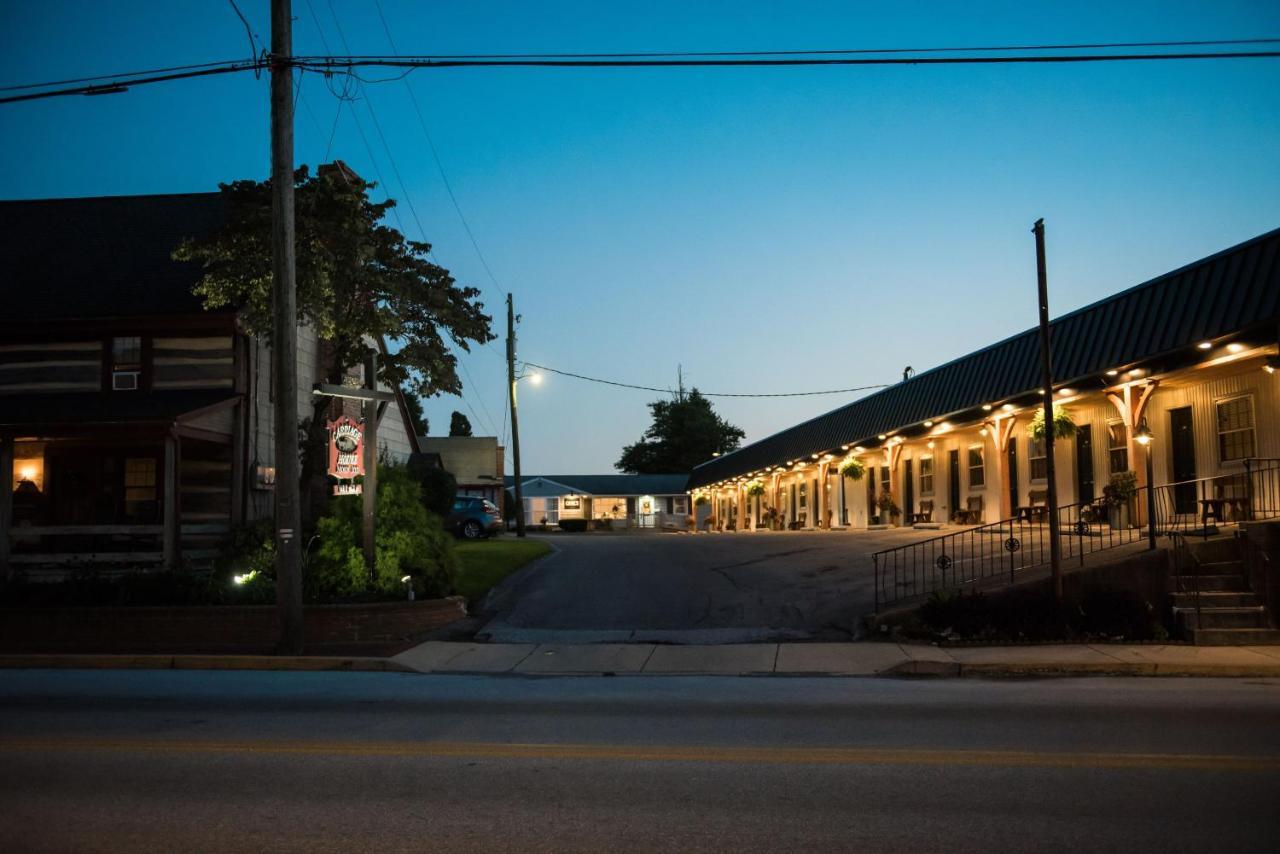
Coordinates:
(693, 588)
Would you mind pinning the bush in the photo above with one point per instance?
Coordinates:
(408, 541)
(245, 571)
(438, 486)
(1032, 614)
(574, 525)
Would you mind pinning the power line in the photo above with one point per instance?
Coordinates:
(704, 393)
(921, 56)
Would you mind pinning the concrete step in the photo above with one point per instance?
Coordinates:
(1227, 583)
(1254, 617)
(1215, 599)
(1216, 549)
(1234, 637)
(1222, 567)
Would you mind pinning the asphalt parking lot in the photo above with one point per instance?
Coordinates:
(693, 588)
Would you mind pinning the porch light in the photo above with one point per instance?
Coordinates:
(986, 407)
(1272, 364)
(1205, 345)
(1235, 347)
(882, 437)
(858, 449)
(982, 431)
(928, 423)
(815, 456)
(1135, 373)
(1066, 392)
(1007, 407)
(930, 443)
(844, 447)
(1144, 435)
(1112, 373)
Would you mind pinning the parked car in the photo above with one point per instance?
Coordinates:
(472, 518)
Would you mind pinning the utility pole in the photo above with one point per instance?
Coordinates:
(1046, 382)
(284, 336)
(369, 491)
(515, 421)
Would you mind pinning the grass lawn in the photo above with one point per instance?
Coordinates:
(483, 563)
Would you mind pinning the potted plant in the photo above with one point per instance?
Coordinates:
(853, 468)
(888, 508)
(1063, 426)
(1119, 494)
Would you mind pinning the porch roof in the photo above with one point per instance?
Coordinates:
(1233, 292)
(52, 411)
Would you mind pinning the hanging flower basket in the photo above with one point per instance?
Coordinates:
(1063, 426)
(700, 501)
(853, 469)
(755, 488)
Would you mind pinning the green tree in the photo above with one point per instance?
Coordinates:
(459, 425)
(421, 426)
(685, 431)
(359, 282)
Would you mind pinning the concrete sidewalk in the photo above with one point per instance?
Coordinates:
(841, 659)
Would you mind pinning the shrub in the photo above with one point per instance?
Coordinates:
(438, 486)
(575, 525)
(1122, 487)
(408, 541)
(244, 572)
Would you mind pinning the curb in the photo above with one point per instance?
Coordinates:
(1014, 669)
(57, 661)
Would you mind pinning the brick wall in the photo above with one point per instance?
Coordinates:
(375, 629)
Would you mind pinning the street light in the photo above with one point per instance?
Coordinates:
(1145, 437)
(534, 377)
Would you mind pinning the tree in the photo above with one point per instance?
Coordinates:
(685, 432)
(421, 426)
(360, 283)
(459, 425)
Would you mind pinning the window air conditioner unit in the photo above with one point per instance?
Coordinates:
(124, 380)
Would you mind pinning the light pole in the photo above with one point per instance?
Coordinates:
(1145, 437)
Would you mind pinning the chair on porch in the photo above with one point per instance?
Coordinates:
(972, 513)
(925, 515)
(1037, 507)
(1233, 492)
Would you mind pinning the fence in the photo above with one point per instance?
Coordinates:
(997, 552)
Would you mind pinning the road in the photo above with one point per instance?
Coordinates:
(703, 588)
(202, 761)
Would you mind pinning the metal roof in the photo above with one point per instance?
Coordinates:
(612, 485)
(1233, 291)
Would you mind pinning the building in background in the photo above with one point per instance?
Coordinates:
(475, 462)
(136, 428)
(1192, 355)
(640, 500)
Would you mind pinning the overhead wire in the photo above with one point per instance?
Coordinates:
(704, 393)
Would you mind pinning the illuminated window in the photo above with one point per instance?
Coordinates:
(977, 467)
(126, 363)
(139, 486)
(1236, 439)
(1117, 447)
(803, 493)
(926, 475)
(1039, 462)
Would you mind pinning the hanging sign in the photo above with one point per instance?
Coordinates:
(346, 454)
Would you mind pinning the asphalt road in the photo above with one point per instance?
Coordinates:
(703, 588)
(204, 761)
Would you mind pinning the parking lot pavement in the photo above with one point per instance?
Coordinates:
(693, 588)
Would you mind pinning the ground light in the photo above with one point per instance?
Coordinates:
(1145, 437)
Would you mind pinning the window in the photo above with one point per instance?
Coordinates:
(977, 467)
(1039, 462)
(803, 494)
(884, 479)
(926, 475)
(1235, 429)
(126, 363)
(139, 487)
(1117, 447)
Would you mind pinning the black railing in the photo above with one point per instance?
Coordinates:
(999, 551)
(1185, 571)
(1262, 576)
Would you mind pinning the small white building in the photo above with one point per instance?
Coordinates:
(640, 500)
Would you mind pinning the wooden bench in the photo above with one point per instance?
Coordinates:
(1036, 508)
(925, 515)
(972, 514)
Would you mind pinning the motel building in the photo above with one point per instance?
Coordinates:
(1182, 367)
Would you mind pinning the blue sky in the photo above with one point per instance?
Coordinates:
(769, 229)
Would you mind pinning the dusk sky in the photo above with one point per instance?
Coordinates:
(771, 230)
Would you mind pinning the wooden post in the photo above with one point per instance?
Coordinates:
(6, 501)
(369, 494)
(170, 519)
(284, 335)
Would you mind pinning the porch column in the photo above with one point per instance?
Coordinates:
(6, 501)
(170, 503)
(824, 505)
(1001, 434)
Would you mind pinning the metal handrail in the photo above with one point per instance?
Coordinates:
(1183, 556)
(1260, 575)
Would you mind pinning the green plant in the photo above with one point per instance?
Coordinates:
(1122, 487)
(701, 501)
(438, 486)
(853, 468)
(886, 504)
(409, 541)
(755, 488)
(1063, 426)
(575, 525)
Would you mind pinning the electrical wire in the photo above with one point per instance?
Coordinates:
(703, 393)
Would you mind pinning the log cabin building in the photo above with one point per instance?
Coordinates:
(136, 427)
